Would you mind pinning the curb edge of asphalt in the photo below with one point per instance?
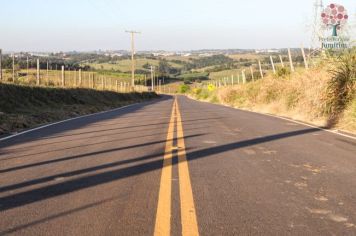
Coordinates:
(351, 136)
(63, 121)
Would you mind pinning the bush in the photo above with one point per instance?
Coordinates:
(197, 91)
(341, 88)
(187, 81)
(211, 87)
(183, 88)
(283, 72)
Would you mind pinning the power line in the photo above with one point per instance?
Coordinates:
(107, 10)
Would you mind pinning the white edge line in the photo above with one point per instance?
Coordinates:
(283, 118)
(306, 124)
(62, 121)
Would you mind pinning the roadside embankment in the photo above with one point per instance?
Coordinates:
(324, 95)
(23, 107)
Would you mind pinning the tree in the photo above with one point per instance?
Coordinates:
(146, 66)
(164, 67)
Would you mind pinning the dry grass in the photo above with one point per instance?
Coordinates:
(316, 96)
(22, 107)
(90, 80)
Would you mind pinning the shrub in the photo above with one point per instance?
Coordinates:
(187, 80)
(183, 88)
(341, 87)
(211, 87)
(283, 72)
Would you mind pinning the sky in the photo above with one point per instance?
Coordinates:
(83, 25)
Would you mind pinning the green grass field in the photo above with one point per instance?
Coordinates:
(125, 65)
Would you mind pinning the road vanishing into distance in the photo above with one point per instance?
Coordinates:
(175, 166)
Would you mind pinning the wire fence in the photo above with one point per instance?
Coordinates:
(59, 76)
(278, 64)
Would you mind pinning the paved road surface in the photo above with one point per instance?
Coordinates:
(178, 167)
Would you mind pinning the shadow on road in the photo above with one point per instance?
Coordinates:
(78, 123)
(85, 155)
(55, 216)
(46, 192)
(90, 144)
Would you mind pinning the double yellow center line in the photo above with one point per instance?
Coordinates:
(188, 215)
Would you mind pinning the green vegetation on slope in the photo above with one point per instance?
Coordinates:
(24, 106)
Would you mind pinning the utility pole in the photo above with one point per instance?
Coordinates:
(132, 56)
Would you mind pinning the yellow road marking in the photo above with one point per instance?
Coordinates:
(188, 215)
(163, 216)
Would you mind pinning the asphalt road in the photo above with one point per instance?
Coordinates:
(181, 168)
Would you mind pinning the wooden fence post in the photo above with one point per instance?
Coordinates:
(13, 67)
(92, 81)
(243, 77)
(281, 59)
(47, 74)
(272, 63)
(252, 76)
(260, 66)
(80, 77)
(290, 60)
(63, 77)
(232, 80)
(75, 78)
(305, 59)
(38, 72)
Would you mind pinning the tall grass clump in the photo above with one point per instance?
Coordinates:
(341, 87)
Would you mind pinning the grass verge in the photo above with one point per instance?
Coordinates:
(23, 107)
(324, 95)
